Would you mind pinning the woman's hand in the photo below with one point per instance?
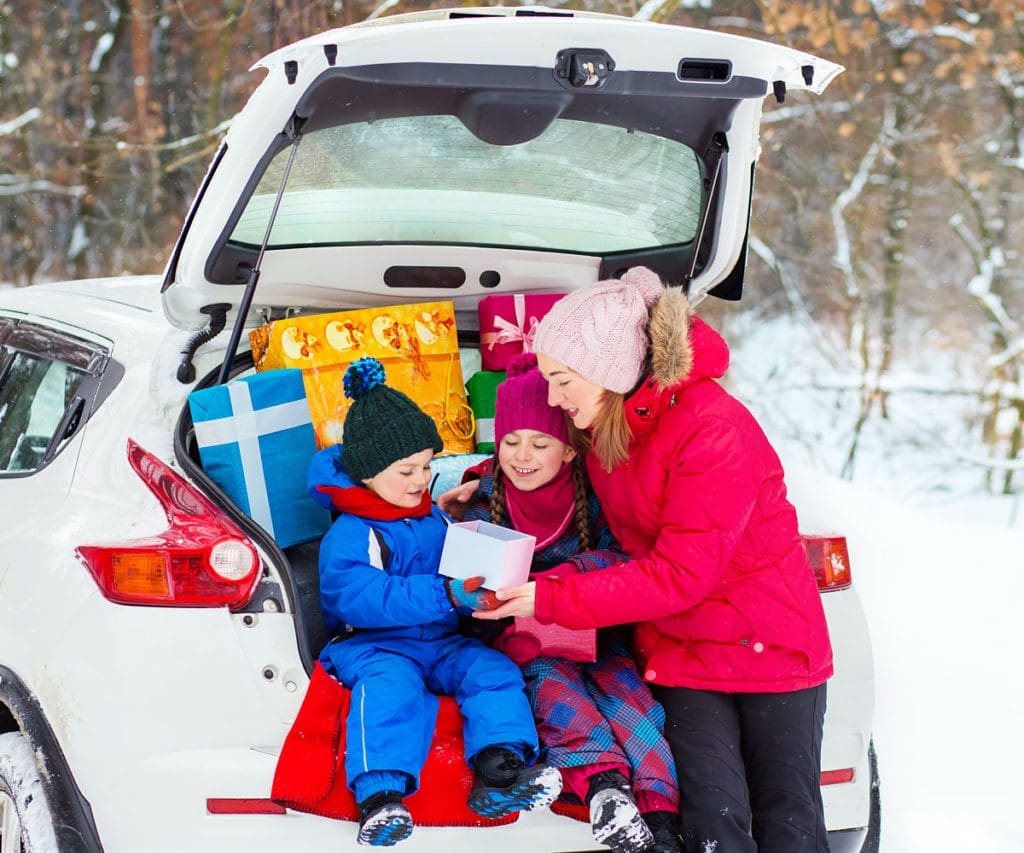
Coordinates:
(518, 601)
(456, 501)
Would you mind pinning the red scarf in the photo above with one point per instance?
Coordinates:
(366, 503)
(545, 512)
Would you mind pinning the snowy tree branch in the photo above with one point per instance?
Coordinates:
(843, 256)
(11, 185)
(795, 297)
(14, 124)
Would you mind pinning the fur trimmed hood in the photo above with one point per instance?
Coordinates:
(683, 347)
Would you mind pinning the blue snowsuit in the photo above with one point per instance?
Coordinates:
(379, 578)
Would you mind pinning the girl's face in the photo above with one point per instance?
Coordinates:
(403, 482)
(578, 397)
(531, 459)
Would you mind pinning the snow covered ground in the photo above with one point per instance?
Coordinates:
(938, 564)
(941, 602)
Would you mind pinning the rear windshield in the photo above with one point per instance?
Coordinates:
(578, 187)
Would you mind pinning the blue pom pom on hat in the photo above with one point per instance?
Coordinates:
(362, 377)
(382, 425)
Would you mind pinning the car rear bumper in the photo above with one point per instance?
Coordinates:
(847, 840)
(162, 808)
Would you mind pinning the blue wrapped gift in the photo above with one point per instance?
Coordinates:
(255, 439)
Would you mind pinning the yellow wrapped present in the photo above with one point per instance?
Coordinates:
(417, 344)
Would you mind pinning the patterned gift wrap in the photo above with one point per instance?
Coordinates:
(255, 439)
(417, 344)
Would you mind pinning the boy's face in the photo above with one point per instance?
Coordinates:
(403, 482)
(531, 459)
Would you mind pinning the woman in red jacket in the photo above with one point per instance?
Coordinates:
(730, 631)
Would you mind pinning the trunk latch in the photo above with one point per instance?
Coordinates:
(583, 67)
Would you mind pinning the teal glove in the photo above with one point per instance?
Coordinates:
(468, 593)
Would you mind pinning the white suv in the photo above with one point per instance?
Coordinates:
(441, 155)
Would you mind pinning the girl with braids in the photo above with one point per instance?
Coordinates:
(597, 722)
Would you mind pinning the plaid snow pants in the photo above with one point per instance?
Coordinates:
(603, 715)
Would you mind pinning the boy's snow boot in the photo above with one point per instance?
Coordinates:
(384, 820)
(504, 784)
(663, 827)
(615, 819)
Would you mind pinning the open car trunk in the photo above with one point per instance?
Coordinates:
(476, 151)
(292, 582)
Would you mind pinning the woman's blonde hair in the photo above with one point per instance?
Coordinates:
(609, 434)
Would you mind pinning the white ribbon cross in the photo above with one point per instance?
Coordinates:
(245, 427)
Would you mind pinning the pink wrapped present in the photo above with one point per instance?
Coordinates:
(508, 323)
(558, 642)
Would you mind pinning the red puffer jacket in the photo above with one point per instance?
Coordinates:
(719, 582)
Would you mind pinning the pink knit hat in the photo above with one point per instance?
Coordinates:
(600, 331)
(522, 403)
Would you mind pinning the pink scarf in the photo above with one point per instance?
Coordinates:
(545, 512)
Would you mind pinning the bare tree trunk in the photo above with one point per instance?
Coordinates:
(847, 258)
(898, 182)
(220, 63)
(98, 96)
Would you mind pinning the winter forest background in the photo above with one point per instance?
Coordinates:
(880, 334)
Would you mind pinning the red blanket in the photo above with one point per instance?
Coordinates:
(310, 774)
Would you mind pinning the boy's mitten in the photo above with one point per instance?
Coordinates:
(468, 593)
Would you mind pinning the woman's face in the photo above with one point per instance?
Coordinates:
(580, 398)
(531, 459)
(403, 482)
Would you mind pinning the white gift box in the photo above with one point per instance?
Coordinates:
(479, 548)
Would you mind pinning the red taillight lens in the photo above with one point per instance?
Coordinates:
(202, 560)
(830, 561)
(836, 777)
(242, 805)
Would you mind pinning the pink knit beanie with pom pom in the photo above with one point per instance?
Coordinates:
(600, 331)
(522, 403)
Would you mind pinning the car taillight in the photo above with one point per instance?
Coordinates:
(836, 777)
(830, 561)
(202, 560)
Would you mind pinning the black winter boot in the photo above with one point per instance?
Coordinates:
(384, 820)
(615, 819)
(505, 784)
(663, 827)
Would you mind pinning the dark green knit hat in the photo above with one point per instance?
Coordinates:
(382, 424)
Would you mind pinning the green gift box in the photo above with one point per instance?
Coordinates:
(482, 389)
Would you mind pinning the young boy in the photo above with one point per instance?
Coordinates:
(396, 621)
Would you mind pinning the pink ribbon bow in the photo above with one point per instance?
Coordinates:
(508, 332)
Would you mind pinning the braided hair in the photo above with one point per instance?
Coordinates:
(498, 495)
(581, 493)
(581, 497)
